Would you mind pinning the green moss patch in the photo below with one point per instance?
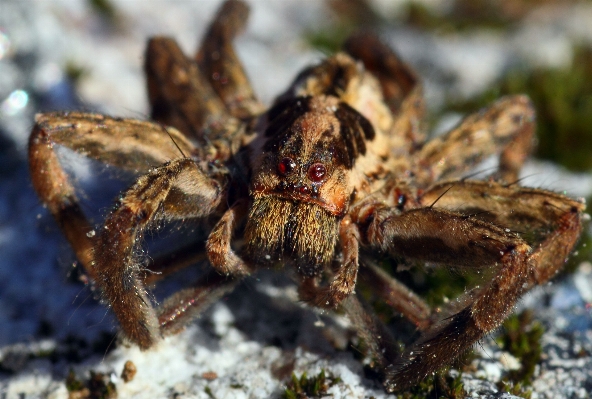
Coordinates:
(305, 387)
(97, 386)
(521, 337)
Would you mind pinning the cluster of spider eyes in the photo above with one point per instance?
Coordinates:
(316, 172)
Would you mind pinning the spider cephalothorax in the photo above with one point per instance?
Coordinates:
(301, 186)
(337, 165)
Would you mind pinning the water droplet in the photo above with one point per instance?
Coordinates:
(15, 102)
(4, 44)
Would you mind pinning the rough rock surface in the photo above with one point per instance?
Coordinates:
(248, 345)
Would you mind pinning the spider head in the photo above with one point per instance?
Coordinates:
(301, 180)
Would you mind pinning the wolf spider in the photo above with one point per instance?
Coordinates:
(337, 166)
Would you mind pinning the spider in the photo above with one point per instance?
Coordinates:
(335, 172)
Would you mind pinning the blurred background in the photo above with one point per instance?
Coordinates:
(88, 55)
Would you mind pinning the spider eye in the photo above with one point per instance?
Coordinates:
(286, 166)
(316, 172)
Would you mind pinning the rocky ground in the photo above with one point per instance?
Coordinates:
(248, 345)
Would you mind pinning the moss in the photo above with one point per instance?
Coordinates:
(237, 386)
(348, 16)
(440, 386)
(73, 384)
(328, 40)
(98, 386)
(209, 392)
(516, 389)
(521, 337)
(105, 9)
(462, 16)
(466, 15)
(309, 387)
(442, 284)
(436, 284)
(101, 387)
(459, 15)
(75, 72)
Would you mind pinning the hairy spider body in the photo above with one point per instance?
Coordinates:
(338, 165)
(302, 181)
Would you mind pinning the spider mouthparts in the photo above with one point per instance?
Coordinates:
(297, 231)
(303, 194)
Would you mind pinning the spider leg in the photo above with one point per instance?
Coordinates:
(177, 190)
(396, 294)
(379, 342)
(129, 144)
(163, 265)
(188, 303)
(219, 63)
(439, 236)
(400, 86)
(218, 248)
(181, 96)
(552, 220)
(506, 128)
(343, 282)
(396, 78)
(183, 306)
(551, 254)
(518, 208)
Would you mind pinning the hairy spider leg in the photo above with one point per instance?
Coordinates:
(401, 88)
(395, 294)
(176, 190)
(219, 63)
(218, 247)
(185, 305)
(125, 143)
(506, 127)
(552, 219)
(440, 236)
(182, 97)
(343, 283)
